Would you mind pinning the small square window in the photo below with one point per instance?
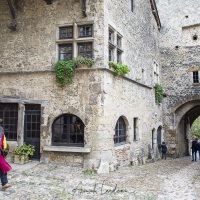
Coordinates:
(65, 52)
(85, 31)
(66, 32)
(195, 77)
(195, 37)
(85, 50)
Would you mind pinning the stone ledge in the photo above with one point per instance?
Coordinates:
(67, 149)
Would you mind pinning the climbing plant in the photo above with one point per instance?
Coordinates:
(64, 72)
(119, 68)
(159, 92)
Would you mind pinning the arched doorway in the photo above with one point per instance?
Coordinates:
(183, 131)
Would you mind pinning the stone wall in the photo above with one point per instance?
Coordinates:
(179, 58)
(97, 96)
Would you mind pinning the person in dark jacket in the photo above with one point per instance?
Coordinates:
(194, 149)
(163, 150)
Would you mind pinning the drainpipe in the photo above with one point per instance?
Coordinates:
(13, 25)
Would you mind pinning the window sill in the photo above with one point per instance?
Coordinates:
(67, 149)
(196, 84)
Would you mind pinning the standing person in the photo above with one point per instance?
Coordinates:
(194, 149)
(163, 150)
(198, 147)
(4, 166)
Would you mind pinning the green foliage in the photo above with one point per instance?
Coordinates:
(25, 150)
(119, 68)
(81, 60)
(195, 128)
(159, 92)
(64, 72)
(89, 172)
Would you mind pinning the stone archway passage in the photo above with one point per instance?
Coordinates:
(185, 116)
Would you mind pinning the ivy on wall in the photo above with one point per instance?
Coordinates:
(159, 93)
(64, 72)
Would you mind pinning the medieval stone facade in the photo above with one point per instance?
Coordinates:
(33, 104)
(179, 44)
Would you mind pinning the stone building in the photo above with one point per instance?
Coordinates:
(180, 61)
(100, 118)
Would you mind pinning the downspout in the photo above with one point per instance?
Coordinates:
(13, 25)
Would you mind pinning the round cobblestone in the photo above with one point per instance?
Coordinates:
(162, 180)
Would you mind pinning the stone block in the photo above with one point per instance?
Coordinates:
(104, 167)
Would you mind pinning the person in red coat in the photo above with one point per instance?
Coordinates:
(4, 166)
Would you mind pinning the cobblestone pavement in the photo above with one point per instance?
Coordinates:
(169, 179)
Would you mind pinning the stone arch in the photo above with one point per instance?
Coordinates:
(184, 114)
(185, 106)
(185, 100)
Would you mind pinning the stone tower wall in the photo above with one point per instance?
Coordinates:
(179, 58)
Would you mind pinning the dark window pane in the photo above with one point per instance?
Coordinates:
(73, 128)
(110, 54)
(9, 114)
(85, 50)
(66, 32)
(85, 31)
(65, 52)
(196, 77)
(119, 56)
(118, 42)
(111, 36)
(120, 131)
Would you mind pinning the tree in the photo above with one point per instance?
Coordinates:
(195, 129)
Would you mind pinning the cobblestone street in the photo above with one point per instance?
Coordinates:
(164, 180)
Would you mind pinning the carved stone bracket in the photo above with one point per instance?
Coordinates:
(84, 8)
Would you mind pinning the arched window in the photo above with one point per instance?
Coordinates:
(68, 130)
(120, 131)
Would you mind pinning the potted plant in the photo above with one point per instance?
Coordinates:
(23, 153)
(82, 62)
(119, 68)
(64, 72)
